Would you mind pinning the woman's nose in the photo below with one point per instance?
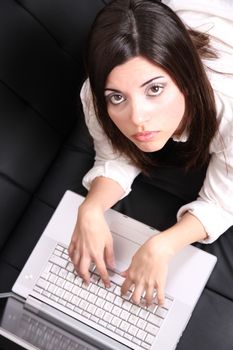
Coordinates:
(138, 113)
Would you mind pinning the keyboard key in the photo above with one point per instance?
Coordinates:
(42, 283)
(55, 269)
(92, 298)
(124, 326)
(52, 278)
(75, 300)
(167, 303)
(100, 302)
(70, 277)
(58, 261)
(126, 305)
(141, 323)
(155, 320)
(63, 273)
(150, 328)
(133, 319)
(124, 315)
(103, 323)
(59, 292)
(116, 310)
(70, 267)
(149, 339)
(94, 288)
(119, 332)
(68, 286)
(127, 296)
(111, 327)
(128, 336)
(94, 318)
(91, 309)
(60, 282)
(95, 278)
(135, 309)
(57, 252)
(115, 321)
(107, 317)
(83, 304)
(141, 334)
(133, 330)
(108, 306)
(99, 313)
(144, 314)
(52, 288)
(115, 278)
(102, 293)
(161, 312)
(118, 301)
(110, 297)
(145, 346)
(136, 341)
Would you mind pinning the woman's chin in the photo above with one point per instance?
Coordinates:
(150, 147)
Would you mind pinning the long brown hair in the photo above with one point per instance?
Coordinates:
(128, 28)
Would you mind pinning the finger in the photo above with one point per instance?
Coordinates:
(149, 294)
(126, 284)
(74, 236)
(70, 250)
(160, 294)
(101, 267)
(137, 294)
(76, 256)
(124, 273)
(109, 256)
(83, 268)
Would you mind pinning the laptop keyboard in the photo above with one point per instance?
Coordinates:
(138, 324)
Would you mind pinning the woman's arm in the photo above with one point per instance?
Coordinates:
(186, 231)
(92, 240)
(103, 194)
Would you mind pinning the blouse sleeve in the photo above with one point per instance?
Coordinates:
(108, 163)
(214, 206)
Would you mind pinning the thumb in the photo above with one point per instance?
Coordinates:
(124, 273)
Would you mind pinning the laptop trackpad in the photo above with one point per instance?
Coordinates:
(124, 249)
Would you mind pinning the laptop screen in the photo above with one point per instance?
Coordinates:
(22, 329)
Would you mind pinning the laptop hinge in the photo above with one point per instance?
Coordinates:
(32, 304)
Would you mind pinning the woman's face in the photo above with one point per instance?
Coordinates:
(144, 103)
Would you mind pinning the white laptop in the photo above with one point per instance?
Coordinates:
(101, 316)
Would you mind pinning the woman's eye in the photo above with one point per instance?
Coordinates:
(116, 99)
(155, 90)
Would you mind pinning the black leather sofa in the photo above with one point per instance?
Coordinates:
(45, 149)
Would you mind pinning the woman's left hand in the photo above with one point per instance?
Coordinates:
(148, 270)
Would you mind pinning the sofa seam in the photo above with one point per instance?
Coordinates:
(29, 105)
(218, 293)
(47, 31)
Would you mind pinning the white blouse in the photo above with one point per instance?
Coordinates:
(214, 205)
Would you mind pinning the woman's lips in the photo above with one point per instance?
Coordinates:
(145, 135)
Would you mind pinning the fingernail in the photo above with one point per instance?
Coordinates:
(107, 284)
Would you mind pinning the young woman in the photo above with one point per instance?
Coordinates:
(152, 81)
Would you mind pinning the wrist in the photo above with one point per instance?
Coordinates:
(162, 245)
(88, 210)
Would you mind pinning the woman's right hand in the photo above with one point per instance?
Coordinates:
(91, 242)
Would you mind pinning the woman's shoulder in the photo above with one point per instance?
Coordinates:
(224, 137)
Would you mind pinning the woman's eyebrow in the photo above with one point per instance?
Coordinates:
(149, 81)
(114, 90)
